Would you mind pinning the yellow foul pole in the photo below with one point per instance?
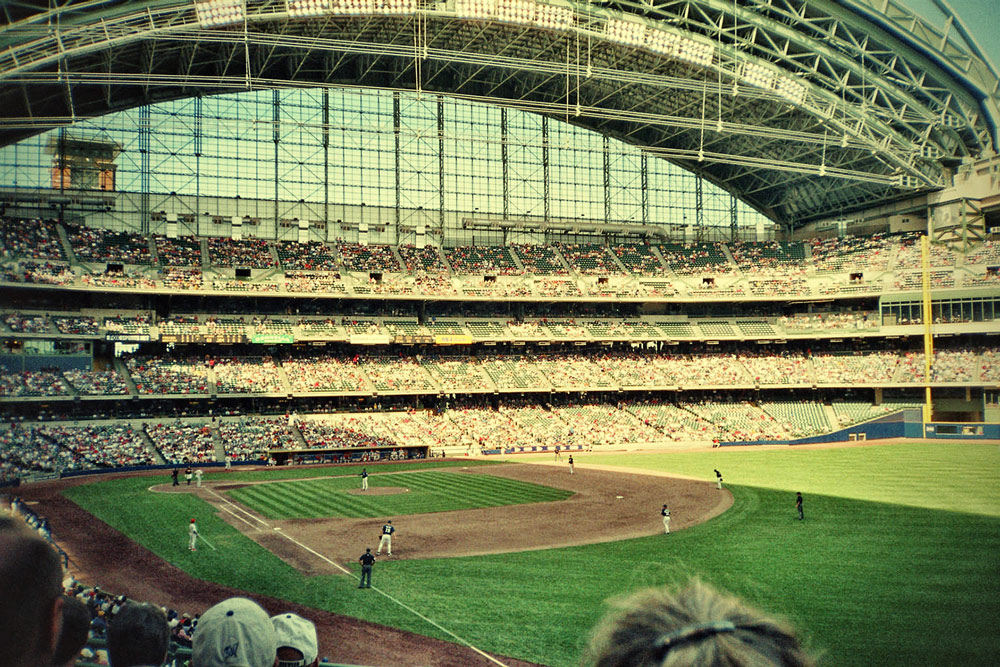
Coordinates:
(925, 266)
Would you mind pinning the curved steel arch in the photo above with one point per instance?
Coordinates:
(879, 116)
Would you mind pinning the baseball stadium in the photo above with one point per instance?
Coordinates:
(570, 299)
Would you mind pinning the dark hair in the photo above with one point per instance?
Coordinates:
(30, 584)
(138, 635)
(694, 626)
(75, 629)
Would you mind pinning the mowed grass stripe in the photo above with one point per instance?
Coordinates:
(428, 491)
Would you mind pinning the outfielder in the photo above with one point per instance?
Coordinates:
(197, 477)
(665, 513)
(193, 534)
(718, 479)
(364, 479)
(387, 530)
(571, 464)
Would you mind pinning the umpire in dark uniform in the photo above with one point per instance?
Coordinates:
(366, 560)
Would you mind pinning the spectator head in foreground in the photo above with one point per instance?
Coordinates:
(696, 625)
(31, 599)
(138, 636)
(297, 644)
(75, 630)
(235, 632)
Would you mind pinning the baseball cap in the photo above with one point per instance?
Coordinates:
(298, 633)
(234, 633)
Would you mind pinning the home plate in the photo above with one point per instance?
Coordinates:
(619, 497)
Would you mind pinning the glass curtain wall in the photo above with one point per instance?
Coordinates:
(378, 151)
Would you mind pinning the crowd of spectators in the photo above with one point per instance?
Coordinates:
(182, 278)
(247, 375)
(482, 260)
(245, 253)
(32, 383)
(638, 259)
(93, 244)
(307, 281)
(909, 254)
(117, 280)
(589, 259)
(44, 273)
(102, 446)
(156, 375)
(369, 258)
(25, 323)
(76, 325)
(694, 258)
(397, 374)
(539, 260)
(181, 251)
(30, 238)
(852, 253)
(311, 256)
(96, 383)
(833, 321)
(248, 439)
(325, 373)
(426, 259)
(321, 433)
(26, 449)
(180, 442)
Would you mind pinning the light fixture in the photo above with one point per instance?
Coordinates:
(303, 8)
(551, 17)
(626, 32)
(790, 89)
(214, 13)
(757, 75)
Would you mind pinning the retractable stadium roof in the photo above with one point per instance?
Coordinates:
(802, 108)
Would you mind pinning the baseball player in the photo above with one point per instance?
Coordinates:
(665, 513)
(193, 534)
(188, 475)
(364, 479)
(558, 454)
(197, 477)
(229, 463)
(718, 479)
(366, 560)
(571, 464)
(387, 530)
(173, 475)
(798, 505)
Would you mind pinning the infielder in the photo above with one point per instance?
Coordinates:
(387, 530)
(718, 479)
(364, 479)
(571, 464)
(193, 534)
(187, 475)
(229, 463)
(665, 513)
(197, 477)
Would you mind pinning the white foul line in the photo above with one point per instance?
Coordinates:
(348, 572)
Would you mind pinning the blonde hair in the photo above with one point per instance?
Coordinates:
(697, 625)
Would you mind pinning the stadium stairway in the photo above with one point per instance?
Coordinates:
(286, 386)
(66, 245)
(831, 416)
(151, 446)
(123, 372)
(154, 257)
(399, 258)
(220, 449)
(206, 263)
(297, 435)
(69, 386)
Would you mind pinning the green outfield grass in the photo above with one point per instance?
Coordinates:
(898, 561)
(429, 491)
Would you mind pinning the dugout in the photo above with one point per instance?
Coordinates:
(349, 454)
